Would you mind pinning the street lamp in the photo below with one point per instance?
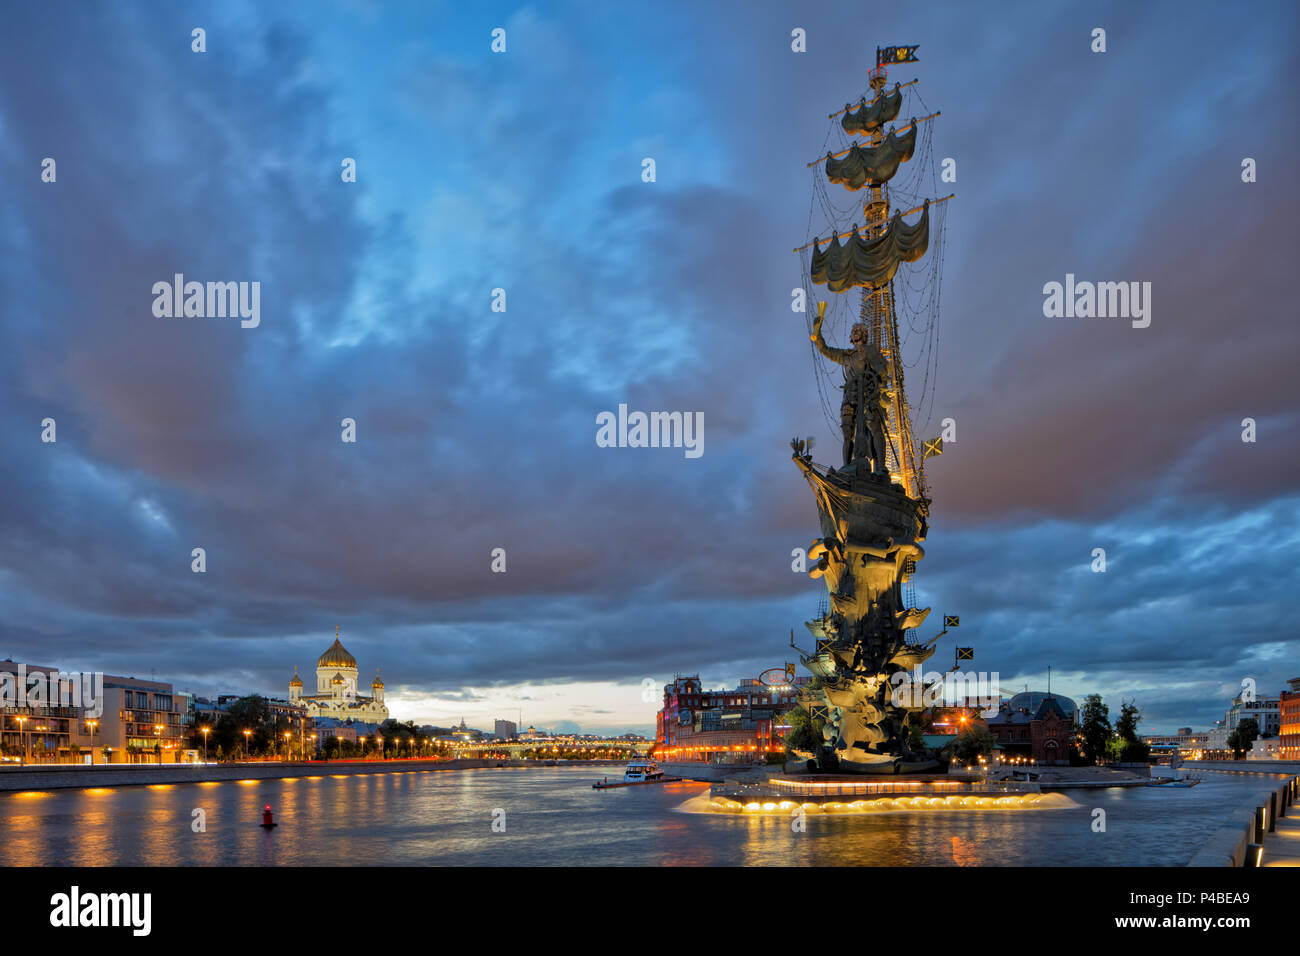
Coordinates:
(157, 731)
(287, 735)
(22, 736)
(247, 734)
(205, 731)
(94, 726)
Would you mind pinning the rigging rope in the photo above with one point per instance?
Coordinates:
(915, 290)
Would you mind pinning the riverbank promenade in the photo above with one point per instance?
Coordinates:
(1282, 846)
(74, 776)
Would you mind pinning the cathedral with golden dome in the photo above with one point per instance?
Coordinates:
(336, 694)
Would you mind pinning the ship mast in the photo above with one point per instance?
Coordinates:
(877, 312)
(877, 432)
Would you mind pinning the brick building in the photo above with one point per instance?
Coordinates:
(699, 724)
(1289, 723)
(1035, 726)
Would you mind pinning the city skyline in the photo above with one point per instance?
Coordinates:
(477, 429)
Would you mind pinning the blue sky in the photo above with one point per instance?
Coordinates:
(476, 429)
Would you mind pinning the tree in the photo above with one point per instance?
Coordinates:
(400, 738)
(919, 723)
(805, 732)
(1239, 740)
(972, 743)
(249, 713)
(1094, 729)
(915, 738)
(1132, 748)
(1126, 725)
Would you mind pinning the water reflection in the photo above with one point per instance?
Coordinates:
(964, 852)
(553, 816)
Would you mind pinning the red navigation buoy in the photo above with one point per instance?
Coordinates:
(267, 820)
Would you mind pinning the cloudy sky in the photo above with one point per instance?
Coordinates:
(476, 429)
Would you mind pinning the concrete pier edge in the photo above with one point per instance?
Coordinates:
(1229, 844)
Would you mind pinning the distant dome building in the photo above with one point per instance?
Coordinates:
(1031, 701)
(336, 694)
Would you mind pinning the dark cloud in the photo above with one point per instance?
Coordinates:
(476, 429)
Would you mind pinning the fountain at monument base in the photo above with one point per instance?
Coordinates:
(1026, 801)
(839, 794)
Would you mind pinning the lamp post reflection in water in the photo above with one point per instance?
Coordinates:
(22, 739)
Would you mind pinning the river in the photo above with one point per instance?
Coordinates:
(551, 816)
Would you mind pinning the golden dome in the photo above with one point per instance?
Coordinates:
(336, 655)
(376, 682)
(296, 681)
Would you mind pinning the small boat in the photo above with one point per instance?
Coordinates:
(638, 771)
(1183, 781)
(641, 771)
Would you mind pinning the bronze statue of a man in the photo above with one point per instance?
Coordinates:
(866, 386)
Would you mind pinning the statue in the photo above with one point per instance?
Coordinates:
(873, 512)
(866, 388)
(871, 534)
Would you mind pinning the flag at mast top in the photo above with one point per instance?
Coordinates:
(887, 55)
(896, 54)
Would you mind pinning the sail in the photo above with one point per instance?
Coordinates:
(869, 117)
(873, 165)
(871, 262)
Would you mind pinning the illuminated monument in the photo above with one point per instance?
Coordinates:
(875, 507)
